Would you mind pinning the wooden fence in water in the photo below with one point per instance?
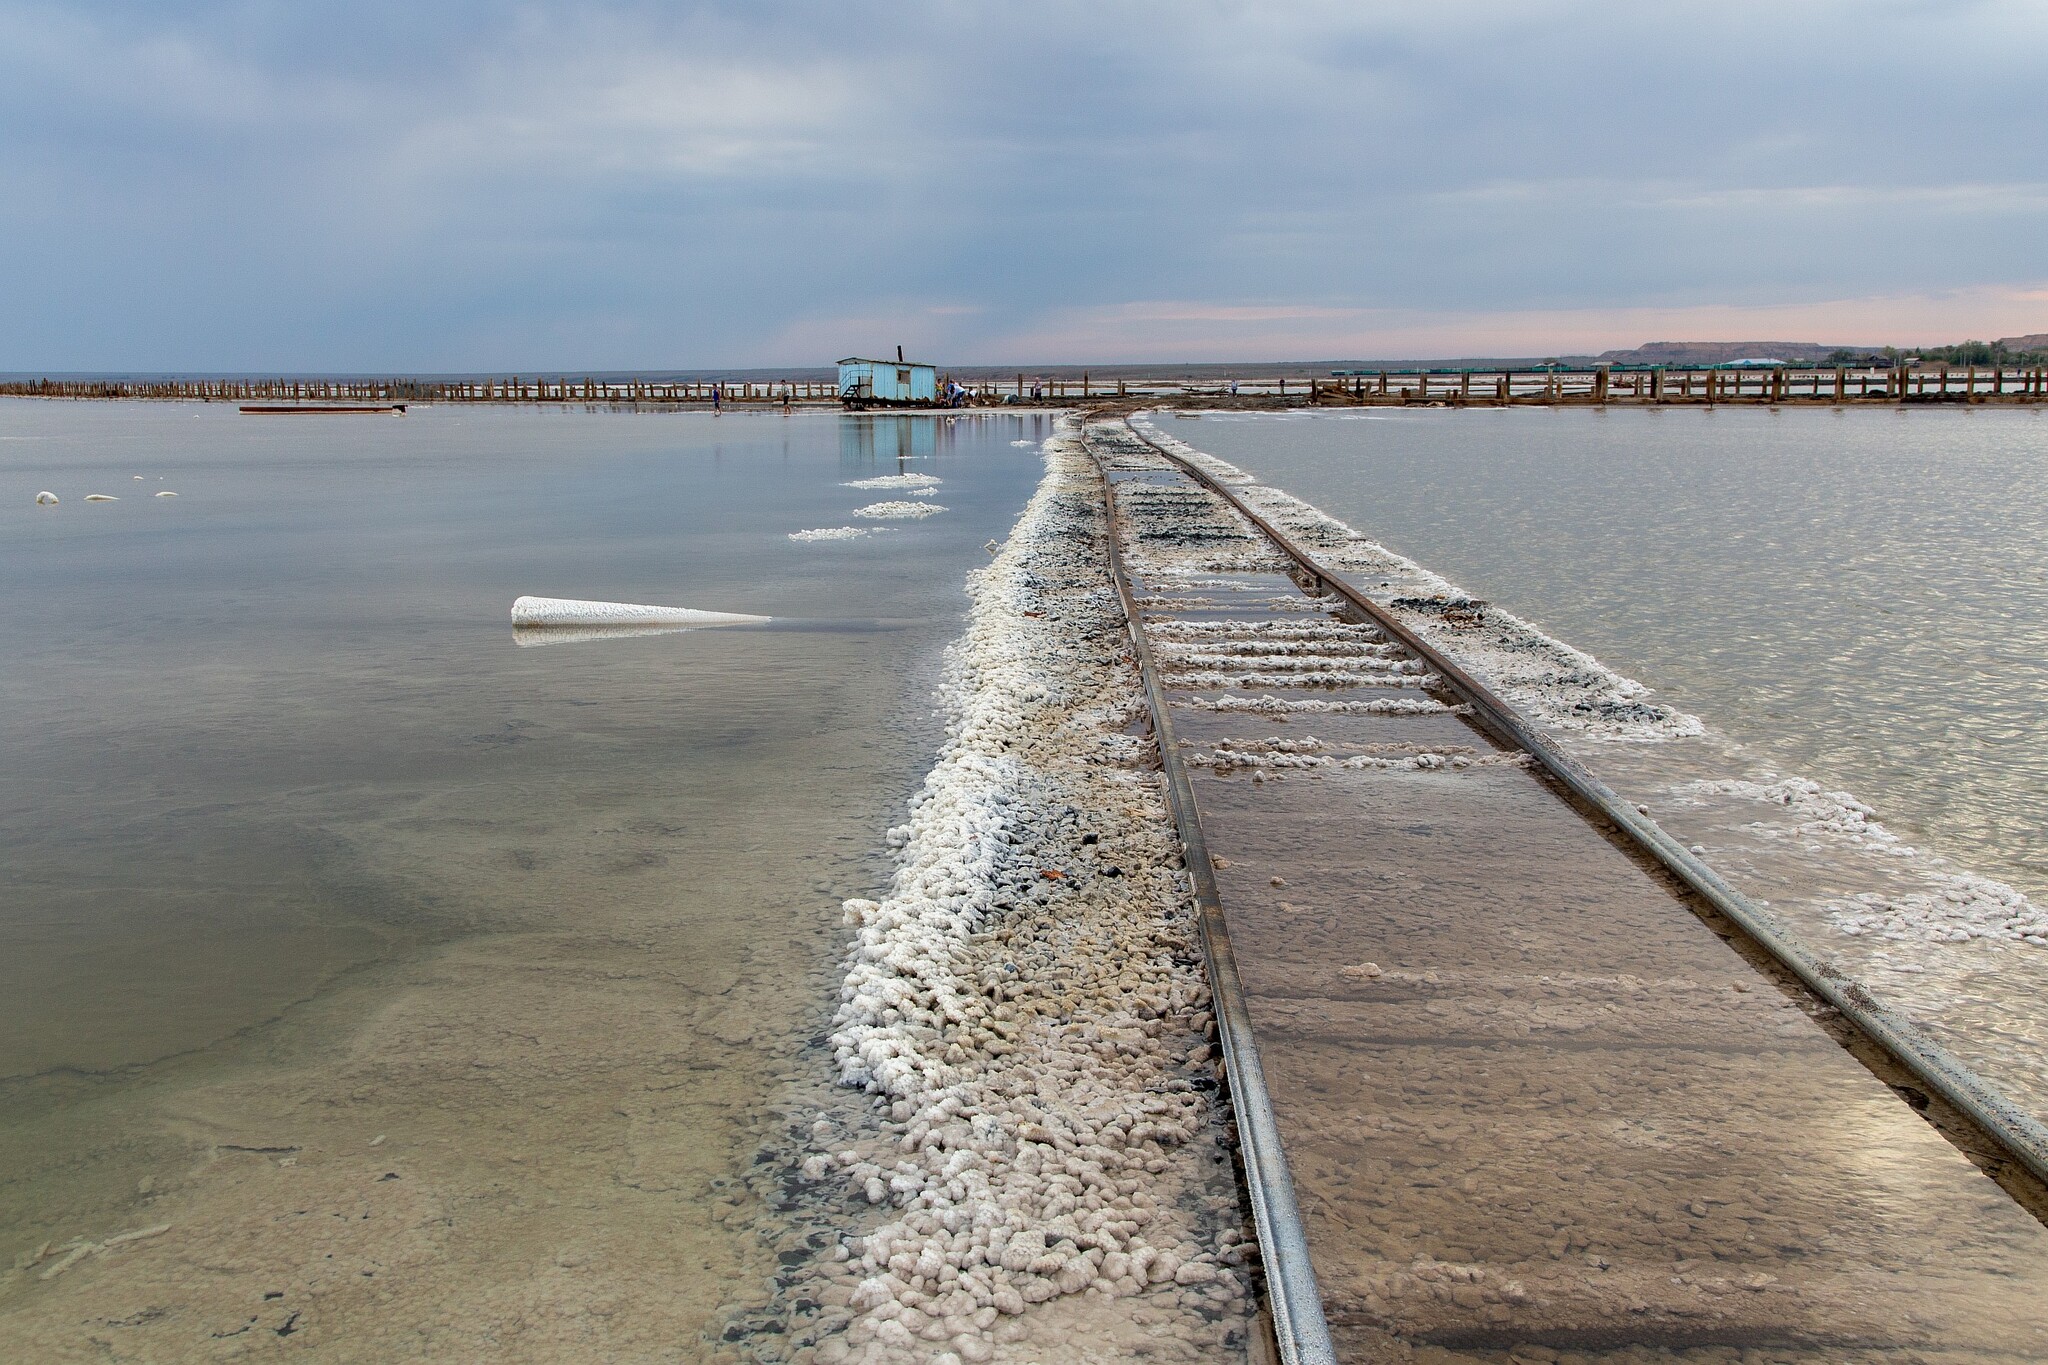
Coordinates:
(1768, 385)
(394, 390)
(1601, 385)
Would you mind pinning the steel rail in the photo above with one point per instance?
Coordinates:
(2017, 1134)
(1300, 1331)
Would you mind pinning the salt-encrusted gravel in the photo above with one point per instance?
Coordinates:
(1028, 1007)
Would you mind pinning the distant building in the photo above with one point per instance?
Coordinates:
(897, 383)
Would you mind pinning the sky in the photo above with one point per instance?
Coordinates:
(463, 187)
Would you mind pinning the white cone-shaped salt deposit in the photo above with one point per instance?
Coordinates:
(46, 499)
(562, 611)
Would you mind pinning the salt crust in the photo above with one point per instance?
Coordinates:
(1275, 706)
(898, 511)
(1027, 1001)
(1558, 685)
(923, 481)
(837, 533)
(1227, 755)
(1319, 678)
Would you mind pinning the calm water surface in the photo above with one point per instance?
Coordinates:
(321, 890)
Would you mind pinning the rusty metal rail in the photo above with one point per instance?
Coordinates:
(1299, 1329)
(2011, 1130)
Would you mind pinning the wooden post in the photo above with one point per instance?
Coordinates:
(1600, 374)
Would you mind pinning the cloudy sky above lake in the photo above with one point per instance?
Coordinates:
(466, 187)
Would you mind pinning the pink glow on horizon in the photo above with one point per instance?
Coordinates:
(1196, 331)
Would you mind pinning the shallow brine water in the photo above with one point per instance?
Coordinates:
(435, 990)
(1854, 603)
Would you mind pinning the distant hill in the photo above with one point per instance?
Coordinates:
(2032, 341)
(1721, 352)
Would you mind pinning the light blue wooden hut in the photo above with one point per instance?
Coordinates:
(887, 383)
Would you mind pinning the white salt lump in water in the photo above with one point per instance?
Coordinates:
(562, 611)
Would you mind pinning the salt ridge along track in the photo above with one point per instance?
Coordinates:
(1746, 1187)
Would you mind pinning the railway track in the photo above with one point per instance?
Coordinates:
(1233, 618)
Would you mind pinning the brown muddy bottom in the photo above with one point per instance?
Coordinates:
(1534, 1107)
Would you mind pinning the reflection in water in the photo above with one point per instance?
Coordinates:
(532, 637)
(867, 439)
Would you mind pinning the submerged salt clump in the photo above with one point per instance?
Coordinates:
(1957, 907)
(836, 533)
(1939, 906)
(898, 511)
(1815, 811)
(1025, 1004)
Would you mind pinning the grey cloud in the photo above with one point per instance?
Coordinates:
(468, 186)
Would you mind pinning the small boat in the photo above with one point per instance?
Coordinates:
(322, 407)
